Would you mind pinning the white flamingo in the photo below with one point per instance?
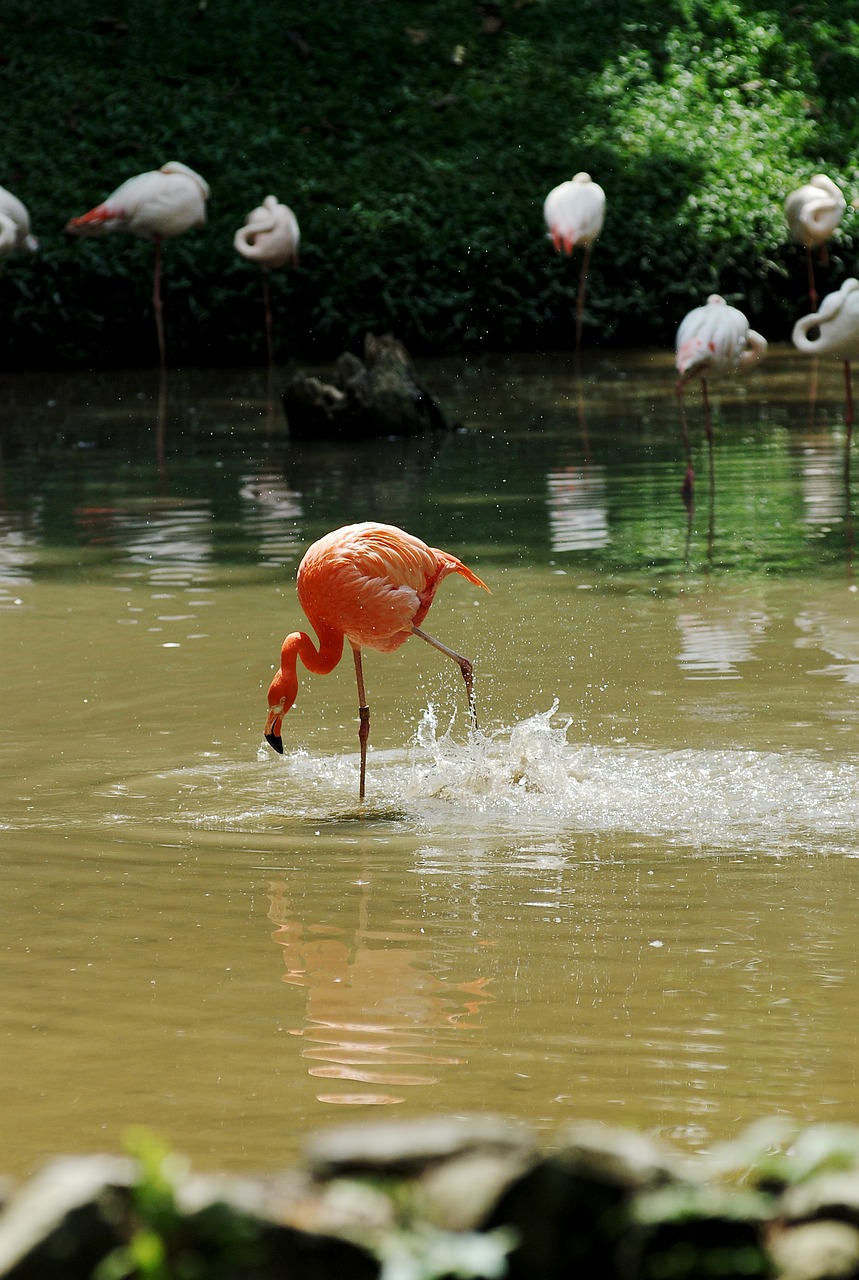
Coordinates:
(15, 225)
(837, 328)
(712, 341)
(813, 212)
(270, 237)
(574, 213)
(156, 205)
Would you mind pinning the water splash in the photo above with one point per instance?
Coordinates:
(492, 770)
(531, 773)
(526, 781)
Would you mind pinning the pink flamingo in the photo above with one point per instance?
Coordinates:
(370, 584)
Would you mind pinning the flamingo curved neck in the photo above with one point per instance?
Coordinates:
(320, 661)
(800, 336)
(283, 689)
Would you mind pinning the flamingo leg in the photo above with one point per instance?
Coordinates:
(848, 387)
(580, 295)
(156, 302)
(364, 720)
(687, 489)
(464, 665)
(708, 427)
(812, 289)
(268, 326)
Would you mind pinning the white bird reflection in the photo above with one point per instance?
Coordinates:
(270, 510)
(170, 542)
(822, 483)
(717, 640)
(376, 1011)
(835, 634)
(18, 555)
(578, 510)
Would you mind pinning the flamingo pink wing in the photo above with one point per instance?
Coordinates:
(373, 582)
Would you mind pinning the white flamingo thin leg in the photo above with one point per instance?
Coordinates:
(156, 302)
(580, 296)
(364, 720)
(708, 426)
(812, 289)
(268, 327)
(687, 489)
(848, 388)
(464, 665)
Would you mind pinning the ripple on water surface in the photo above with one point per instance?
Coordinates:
(524, 780)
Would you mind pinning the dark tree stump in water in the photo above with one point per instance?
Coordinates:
(379, 396)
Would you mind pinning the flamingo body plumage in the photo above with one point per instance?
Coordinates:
(270, 235)
(371, 584)
(716, 339)
(574, 213)
(156, 205)
(15, 225)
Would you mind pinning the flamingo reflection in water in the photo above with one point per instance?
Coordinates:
(718, 637)
(269, 237)
(813, 212)
(578, 508)
(156, 206)
(712, 341)
(375, 1015)
(574, 213)
(370, 584)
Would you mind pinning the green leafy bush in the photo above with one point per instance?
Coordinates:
(416, 145)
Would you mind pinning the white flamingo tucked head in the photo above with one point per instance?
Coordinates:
(574, 212)
(814, 211)
(837, 322)
(156, 205)
(270, 235)
(14, 225)
(716, 339)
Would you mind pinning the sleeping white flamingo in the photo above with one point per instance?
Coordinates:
(574, 213)
(270, 237)
(837, 333)
(156, 205)
(813, 212)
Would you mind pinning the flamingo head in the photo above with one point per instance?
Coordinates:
(282, 693)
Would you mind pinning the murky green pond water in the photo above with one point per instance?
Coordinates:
(632, 897)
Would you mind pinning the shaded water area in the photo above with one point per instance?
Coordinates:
(629, 897)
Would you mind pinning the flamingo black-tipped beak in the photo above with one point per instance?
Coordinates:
(271, 732)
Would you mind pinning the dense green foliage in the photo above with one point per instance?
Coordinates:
(416, 143)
